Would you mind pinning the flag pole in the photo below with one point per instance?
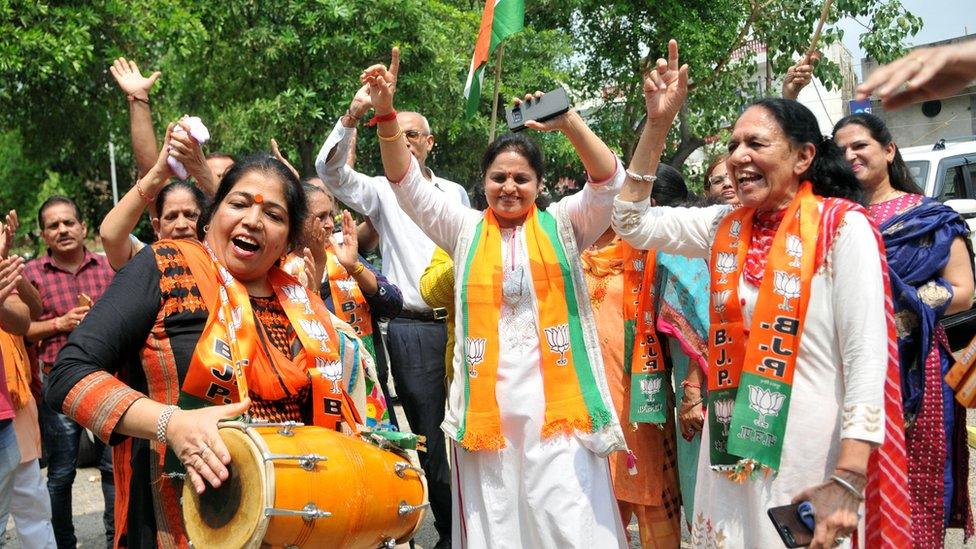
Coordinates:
(498, 82)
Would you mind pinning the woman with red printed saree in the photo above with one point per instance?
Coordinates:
(803, 401)
(529, 411)
(154, 360)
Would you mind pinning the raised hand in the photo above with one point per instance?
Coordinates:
(8, 233)
(193, 436)
(381, 83)
(281, 158)
(11, 271)
(316, 238)
(558, 123)
(131, 81)
(666, 87)
(798, 76)
(925, 73)
(347, 252)
(185, 148)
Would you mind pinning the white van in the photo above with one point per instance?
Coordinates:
(946, 171)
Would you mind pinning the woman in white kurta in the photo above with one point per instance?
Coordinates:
(532, 482)
(837, 404)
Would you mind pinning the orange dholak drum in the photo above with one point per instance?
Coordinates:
(298, 486)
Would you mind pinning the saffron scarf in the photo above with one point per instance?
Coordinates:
(233, 357)
(648, 396)
(349, 302)
(573, 401)
(750, 377)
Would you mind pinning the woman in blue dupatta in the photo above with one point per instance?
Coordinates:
(931, 276)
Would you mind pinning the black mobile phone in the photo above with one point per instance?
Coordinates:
(789, 523)
(551, 105)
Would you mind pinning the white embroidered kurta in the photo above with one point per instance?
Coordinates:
(838, 387)
(553, 493)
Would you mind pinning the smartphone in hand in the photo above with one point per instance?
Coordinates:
(549, 106)
(794, 523)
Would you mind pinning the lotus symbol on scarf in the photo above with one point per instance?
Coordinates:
(558, 339)
(765, 403)
(788, 286)
(316, 331)
(735, 230)
(794, 248)
(650, 386)
(296, 293)
(639, 265)
(331, 370)
(346, 285)
(723, 413)
(725, 264)
(225, 276)
(720, 300)
(474, 353)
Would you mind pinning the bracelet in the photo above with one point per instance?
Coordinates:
(847, 486)
(353, 116)
(139, 99)
(147, 198)
(687, 383)
(358, 268)
(382, 118)
(690, 405)
(392, 138)
(163, 422)
(643, 178)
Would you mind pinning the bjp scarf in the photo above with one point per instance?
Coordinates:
(647, 396)
(750, 381)
(573, 401)
(233, 357)
(349, 302)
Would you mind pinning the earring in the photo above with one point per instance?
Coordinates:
(206, 228)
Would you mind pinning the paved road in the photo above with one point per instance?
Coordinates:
(88, 515)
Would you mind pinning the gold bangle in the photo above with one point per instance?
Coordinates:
(143, 195)
(393, 138)
(358, 268)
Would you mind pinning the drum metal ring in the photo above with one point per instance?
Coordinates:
(402, 466)
(406, 509)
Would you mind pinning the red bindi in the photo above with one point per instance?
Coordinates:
(259, 198)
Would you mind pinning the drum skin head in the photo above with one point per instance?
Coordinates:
(229, 516)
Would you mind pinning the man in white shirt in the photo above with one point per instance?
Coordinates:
(416, 338)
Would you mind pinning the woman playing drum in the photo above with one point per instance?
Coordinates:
(155, 360)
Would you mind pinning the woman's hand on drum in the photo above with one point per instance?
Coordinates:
(835, 510)
(665, 88)
(192, 434)
(382, 83)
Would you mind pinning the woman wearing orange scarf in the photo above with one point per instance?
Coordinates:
(529, 410)
(190, 333)
(803, 401)
(621, 282)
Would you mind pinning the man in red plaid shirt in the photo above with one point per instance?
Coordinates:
(69, 278)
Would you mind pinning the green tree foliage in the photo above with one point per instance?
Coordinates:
(288, 69)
